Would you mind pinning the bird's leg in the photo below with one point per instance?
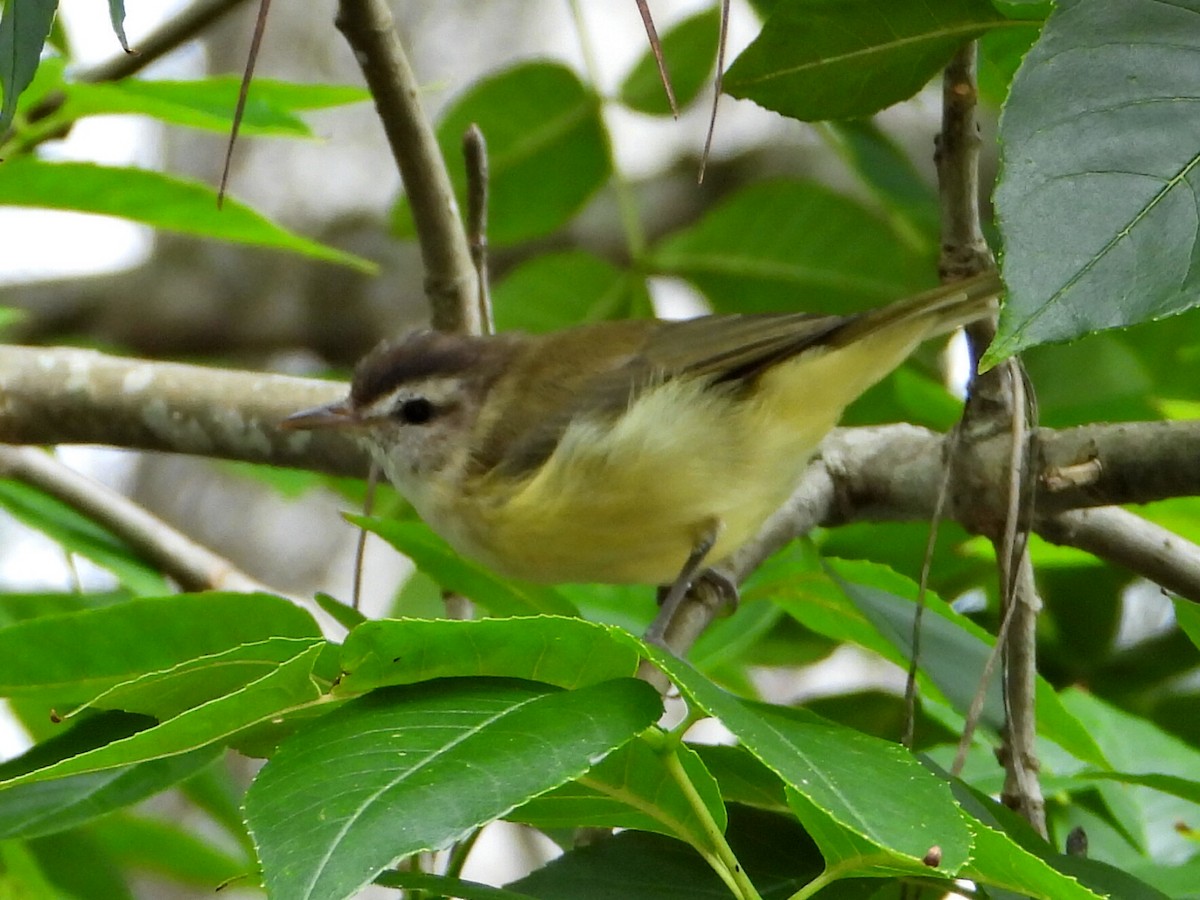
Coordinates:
(670, 597)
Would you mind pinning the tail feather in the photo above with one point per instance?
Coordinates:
(944, 308)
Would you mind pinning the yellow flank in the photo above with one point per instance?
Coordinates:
(628, 501)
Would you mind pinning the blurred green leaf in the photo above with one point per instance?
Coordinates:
(558, 290)
(209, 103)
(838, 59)
(434, 557)
(171, 850)
(792, 245)
(24, 27)
(155, 199)
(888, 173)
(432, 762)
(689, 51)
(1118, 211)
(548, 149)
(79, 534)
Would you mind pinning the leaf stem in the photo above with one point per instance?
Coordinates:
(719, 854)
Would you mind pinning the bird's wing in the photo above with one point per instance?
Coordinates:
(624, 359)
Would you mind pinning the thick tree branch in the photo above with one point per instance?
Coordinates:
(879, 473)
(450, 280)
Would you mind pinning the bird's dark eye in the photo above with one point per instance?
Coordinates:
(414, 411)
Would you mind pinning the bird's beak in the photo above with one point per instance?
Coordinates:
(338, 414)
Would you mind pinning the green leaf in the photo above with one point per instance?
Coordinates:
(1187, 614)
(547, 149)
(209, 103)
(415, 768)
(743, 778)
(789, 245)
(425, 884)
(76, 656)
(568, 653)
(1136, 747)
(888, 172)
(689, 51)
(775, 852)
(24, 27)
(170, 849)
(342, 613)
(838, 59)
(858, 789)
(33, 810)
(558, 290)
(633, 788)
(287, 687)
(79, 867)
(155, 199)
(193, 682)
(79, 534)
(434, 557)
(954, 651)
(1099, 163)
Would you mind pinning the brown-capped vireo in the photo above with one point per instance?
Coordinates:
(634, 451)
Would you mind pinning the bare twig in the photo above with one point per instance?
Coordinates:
(476, 158)
(450, 281)
(196, 568)
(260, 27)
(718, 84)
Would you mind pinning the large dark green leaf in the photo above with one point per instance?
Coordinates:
(547, 149)
(1097, 201)
(837, 59)
(152, 198)
(417, 767)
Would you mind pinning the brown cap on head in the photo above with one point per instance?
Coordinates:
(422, 355)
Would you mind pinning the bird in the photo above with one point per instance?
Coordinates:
(634, 451)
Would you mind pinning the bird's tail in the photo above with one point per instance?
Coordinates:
(943, 309)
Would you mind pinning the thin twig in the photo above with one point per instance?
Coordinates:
(260, 27)
(450, 281)
(476, 157)
(718, 84)
(196, 568)
(656, 49)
